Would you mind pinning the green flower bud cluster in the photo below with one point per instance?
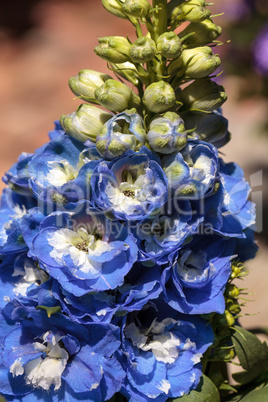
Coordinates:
(150, 72)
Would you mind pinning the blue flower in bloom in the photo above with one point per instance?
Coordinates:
(141, 285)
(161, 353)
(194, 283)
(70, 361)
(20, 278)
(61, 172)
(13, 207)
(84, 251)
(164, 234)
(193, 171)
(228, 211)
(17, 177)
(121, 133)
(132, 187)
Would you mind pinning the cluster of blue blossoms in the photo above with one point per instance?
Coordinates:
(108, 263)
(118, 236)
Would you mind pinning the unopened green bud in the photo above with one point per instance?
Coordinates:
(142, 50)
(114, 7)
(167, 134)
(230, 320)
(116, 96)
(209, 127)
(195, 63)
(193, 11)
(136, 8)
(127, 70)
(234, 308)
(203, 32)
(86, 123)
(159, 97)
(86, 82)
(232, 290)
(114, 49)
(169, 45)
(203, 95)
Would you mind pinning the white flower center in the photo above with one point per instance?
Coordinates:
(82, 248)
(156, 338)
(29, 275)
(60, 173)
(44, 371)
(191, 267)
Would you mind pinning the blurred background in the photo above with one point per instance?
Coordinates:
(44, 42)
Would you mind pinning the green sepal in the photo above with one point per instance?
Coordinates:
(252, 355)
(50, 310)
(205, 392)
(2, 399)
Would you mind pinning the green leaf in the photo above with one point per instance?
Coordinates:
(227, 387)
(252, 354)
(257, 395)
(205, 392)
(2, 399)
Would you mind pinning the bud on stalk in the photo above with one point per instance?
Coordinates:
(202, 33)
(193, 11)
(86, 82)
(167, 134)
(116, 96)
(136, 8)
(169, 45)
(142, 50)
(203, 94)
(86, 123)
(114, 7)
(114, 49)
(159, 97)
(195, 63)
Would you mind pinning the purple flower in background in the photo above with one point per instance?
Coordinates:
(260, 51)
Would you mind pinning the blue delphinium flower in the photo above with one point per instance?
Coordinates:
(132, 187)
(195, 280)
(19, 278)
(60, 173)
(167, 232)
(13, 207)
(42, 354)
(84, 251)
(121, 133)
(140, 286)
(193, 171)
(161, 353)
(228, 211)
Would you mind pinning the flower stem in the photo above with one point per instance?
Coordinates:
(159, 17)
